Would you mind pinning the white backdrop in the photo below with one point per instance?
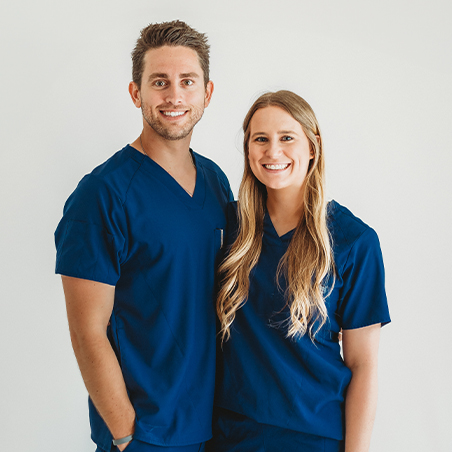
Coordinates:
(378, 75)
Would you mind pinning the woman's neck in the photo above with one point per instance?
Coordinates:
(285, 209)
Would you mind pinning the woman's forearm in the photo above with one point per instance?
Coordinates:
(360, 408)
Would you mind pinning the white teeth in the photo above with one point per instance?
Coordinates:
(277, 167)
(173, 113)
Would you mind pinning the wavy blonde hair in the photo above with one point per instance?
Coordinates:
(309, 258)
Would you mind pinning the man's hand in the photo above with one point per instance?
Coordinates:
(123, 446)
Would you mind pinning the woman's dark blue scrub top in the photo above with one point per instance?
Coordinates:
(131, 225)
(297, 384)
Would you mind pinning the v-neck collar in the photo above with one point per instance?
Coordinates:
(199, 194)
(272, 235)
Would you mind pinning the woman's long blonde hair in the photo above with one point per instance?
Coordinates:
(308, 259)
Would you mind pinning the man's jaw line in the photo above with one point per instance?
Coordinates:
(160, 130)
(156, 140)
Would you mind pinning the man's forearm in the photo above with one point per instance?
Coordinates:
(360, 408)
(105, 383)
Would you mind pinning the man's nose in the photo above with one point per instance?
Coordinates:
(174, 95)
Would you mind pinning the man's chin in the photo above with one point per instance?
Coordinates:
(173, 136)
(172, 133)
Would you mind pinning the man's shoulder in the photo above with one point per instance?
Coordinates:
(211, 167)
(121, 161)
(112, 176)
(208, 164)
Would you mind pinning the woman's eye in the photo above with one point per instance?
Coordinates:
(286, 138)
(261, 139)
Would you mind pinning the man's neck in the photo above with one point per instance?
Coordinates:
(172, 155)
(169, 154)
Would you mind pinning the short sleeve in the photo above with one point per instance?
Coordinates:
(230, 194)
(89, 238)
(232, 227)
(363, 299)
(227, 188)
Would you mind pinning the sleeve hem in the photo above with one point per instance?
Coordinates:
(89, 278)
(363, 325)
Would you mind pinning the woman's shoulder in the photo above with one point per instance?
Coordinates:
(346, 228)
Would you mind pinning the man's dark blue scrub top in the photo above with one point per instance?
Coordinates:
(131, 225)
(297, 384)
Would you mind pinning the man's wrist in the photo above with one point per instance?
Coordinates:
(125, 439)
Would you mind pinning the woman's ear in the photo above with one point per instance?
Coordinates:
(312, 154)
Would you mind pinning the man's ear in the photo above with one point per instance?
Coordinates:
(209, 92)
(134, 92)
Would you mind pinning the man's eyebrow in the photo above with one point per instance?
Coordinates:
(157, 75)
(163, 75)
(189, 75)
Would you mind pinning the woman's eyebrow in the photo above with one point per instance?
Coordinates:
(280, 132)
(257, 133)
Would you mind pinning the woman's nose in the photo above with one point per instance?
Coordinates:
(273, 149)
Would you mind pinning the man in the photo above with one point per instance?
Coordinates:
(136, 249)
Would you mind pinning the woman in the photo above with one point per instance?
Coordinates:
(298, 271)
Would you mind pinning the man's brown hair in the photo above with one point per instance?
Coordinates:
(175, 33)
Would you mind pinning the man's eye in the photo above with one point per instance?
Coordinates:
(160, 83)
(188, 82)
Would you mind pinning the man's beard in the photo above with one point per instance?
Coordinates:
(169, 132)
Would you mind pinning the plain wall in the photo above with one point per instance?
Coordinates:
(377, 74)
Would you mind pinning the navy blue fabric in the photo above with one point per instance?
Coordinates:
(297, 384)
(140, 446)
(131, 225)
(238, 433)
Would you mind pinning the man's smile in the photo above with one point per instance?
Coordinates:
(173, 114)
